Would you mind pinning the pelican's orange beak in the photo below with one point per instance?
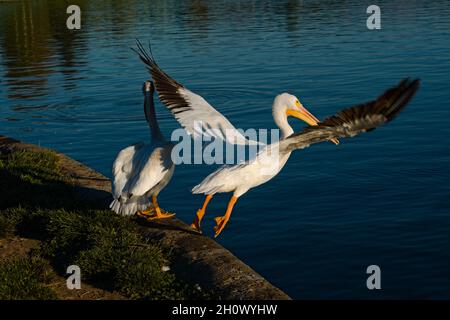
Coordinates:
(307, 117)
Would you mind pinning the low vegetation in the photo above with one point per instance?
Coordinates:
(37, 201)
(26, 278)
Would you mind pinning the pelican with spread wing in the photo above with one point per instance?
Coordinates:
(347, 123)
(188, 107)
(142, 170)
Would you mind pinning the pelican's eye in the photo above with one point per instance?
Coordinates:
(297, 103)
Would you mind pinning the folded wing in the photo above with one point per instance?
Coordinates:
(124, 167)
(151, 166)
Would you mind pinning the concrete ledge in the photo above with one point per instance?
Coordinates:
(196, 258)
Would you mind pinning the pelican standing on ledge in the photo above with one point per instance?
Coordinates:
(188, 107)
(142, 170)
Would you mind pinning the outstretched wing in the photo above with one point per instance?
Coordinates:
(191, 110)
(355, 120)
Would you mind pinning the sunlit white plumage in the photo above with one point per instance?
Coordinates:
(192, 111)
(347, 123)
(142, 170)
(198, 117)
(188, 107)
(268, 162)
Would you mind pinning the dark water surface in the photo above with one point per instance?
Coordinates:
(382, 198)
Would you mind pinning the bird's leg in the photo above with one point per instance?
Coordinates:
(222, 221)
(146, 213)
(200, 213)
(158, 214)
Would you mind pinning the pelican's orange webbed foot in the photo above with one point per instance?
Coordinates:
(146, 213)
(222, 221)
(200, 213)
(158, 214)
(198, 218)
(220, 224)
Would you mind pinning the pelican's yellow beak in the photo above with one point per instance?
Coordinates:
(306, 116)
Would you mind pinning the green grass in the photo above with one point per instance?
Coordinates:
(37, 202)
(33, 179)
(26, 279)
(10, 219)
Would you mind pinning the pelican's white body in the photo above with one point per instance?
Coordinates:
(242, 177)
(140, 171)
(267, 164)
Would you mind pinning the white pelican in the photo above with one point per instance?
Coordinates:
(188, 107)
(142, 170)
(347, 123)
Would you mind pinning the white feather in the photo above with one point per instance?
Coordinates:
(137, 170)
(203, 119)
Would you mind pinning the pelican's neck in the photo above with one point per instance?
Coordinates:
(280, 118)
(150, 115)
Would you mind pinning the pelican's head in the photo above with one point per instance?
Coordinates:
(148, 87)
(286, 105)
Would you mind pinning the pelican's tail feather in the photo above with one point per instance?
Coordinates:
(198, 189)
(210, 185)
(217, 181)
(115, 205)
(205, 189)
(129, 207)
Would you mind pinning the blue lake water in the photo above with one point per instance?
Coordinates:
(382, 198)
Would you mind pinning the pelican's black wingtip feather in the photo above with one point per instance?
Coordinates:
(389, 104)
(157, 73)
(398, 98)
(143, 54)
(358, 119)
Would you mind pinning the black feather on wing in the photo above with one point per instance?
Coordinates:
(191, 110)
(389, 104)
(355, 120)
(166, 86)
